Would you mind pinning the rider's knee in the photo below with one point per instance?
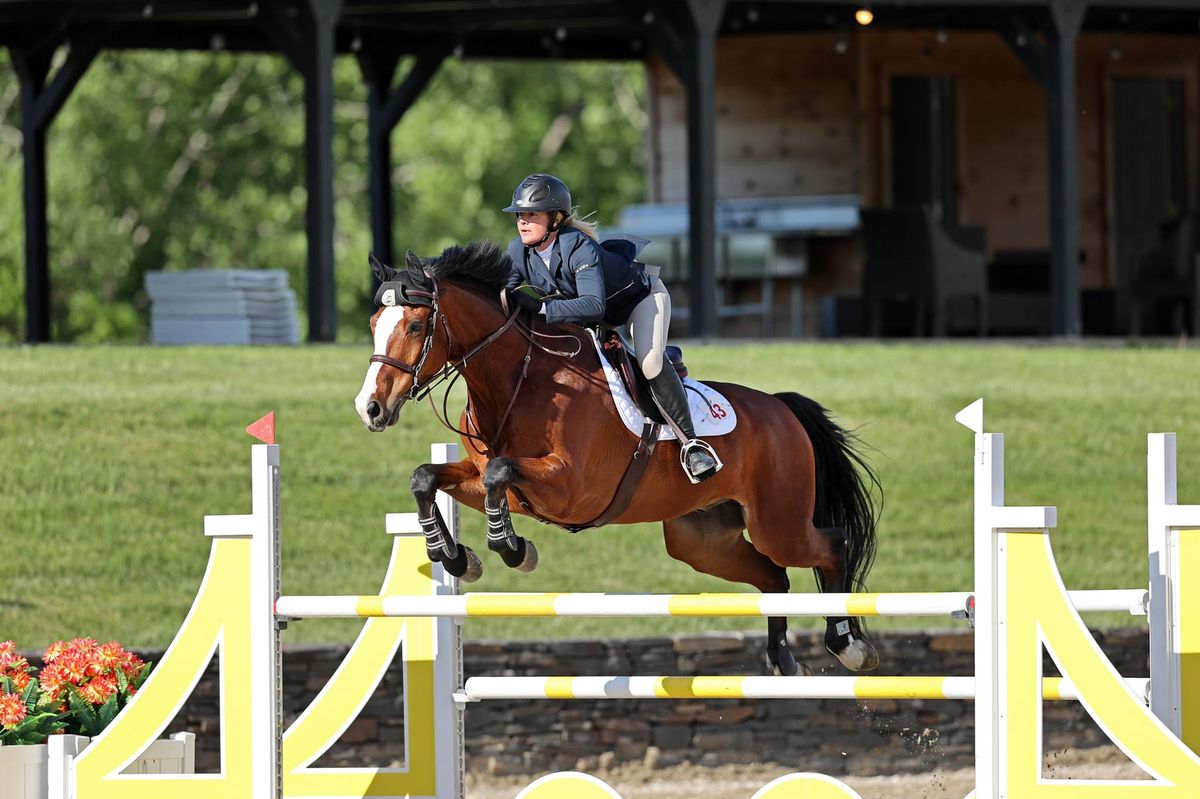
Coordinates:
(652, 364)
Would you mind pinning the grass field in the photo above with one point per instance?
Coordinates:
(110, 457)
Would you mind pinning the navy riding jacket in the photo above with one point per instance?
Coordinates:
(598, 280)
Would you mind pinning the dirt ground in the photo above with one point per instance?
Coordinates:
(743, 781)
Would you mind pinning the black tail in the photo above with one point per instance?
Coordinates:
(844, 480)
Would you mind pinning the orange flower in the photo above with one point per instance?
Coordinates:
(52, 679)
(99, 689)
(12, 710)
(53, 651)
(12, 664)
(20, 679)
(7, 646)
(74, 667)
(111, 655)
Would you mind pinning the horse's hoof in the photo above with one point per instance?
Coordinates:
(782, 662)
(859, 655)
(474, 568)
(530, 561)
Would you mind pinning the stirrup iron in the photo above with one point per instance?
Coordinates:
(698, 443)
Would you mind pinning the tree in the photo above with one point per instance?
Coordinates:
(186, 160)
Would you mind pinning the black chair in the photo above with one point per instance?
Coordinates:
(1168, 278)
(911, 258)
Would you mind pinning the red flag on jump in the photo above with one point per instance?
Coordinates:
(264, 429)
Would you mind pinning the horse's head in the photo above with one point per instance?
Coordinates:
(408, 352)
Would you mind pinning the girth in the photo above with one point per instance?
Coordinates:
(625, 489)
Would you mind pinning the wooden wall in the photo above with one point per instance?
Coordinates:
(796, 117)
(785, 121)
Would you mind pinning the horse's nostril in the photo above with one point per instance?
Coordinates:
(373, 409)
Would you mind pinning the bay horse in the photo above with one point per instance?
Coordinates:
(543, 438)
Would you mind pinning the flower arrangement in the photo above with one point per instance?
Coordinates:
(80, 690)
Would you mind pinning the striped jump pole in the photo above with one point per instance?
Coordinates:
(543, 605)
(480, 688)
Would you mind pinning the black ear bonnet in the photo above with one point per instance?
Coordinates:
(412, 287)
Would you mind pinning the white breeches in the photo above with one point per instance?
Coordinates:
(648, 325)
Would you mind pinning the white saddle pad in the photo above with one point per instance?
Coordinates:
(712, 413)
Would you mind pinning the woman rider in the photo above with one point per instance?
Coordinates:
(559, 254)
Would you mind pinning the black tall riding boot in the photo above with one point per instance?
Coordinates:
(698, 459)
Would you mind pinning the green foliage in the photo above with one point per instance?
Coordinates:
(88, 719)
(187, 160)
(41, 719)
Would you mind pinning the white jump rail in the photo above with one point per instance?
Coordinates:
(544, 605)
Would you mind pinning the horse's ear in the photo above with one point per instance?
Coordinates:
(416, 268)
(383, 273)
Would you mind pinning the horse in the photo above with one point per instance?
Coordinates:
(543, 438)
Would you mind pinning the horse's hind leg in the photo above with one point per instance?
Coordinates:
(515, 551)
(844, 637)
(458, 559)
(711, 541)
(774, 532)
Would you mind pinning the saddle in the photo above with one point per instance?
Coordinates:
(617, 353)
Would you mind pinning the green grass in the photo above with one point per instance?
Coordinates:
(110, 458)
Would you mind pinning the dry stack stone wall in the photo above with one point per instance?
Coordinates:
(834, 736)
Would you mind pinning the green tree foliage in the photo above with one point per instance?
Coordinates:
(185, 160)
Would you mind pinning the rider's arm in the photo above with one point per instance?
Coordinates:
(516, 253)
(587, 308)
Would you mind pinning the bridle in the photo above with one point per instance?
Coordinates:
(453, 370)
(414, 369)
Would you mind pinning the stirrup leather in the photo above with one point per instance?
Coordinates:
(688, 446)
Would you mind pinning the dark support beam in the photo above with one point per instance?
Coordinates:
(1066, 18)
(1023, 42)
(377, 73)
(384, 110)
(308, 43)
(702, 173)
(39, 105)
(685, 35)
(318, 152)
(662, 33)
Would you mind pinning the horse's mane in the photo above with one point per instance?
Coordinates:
(481, 262)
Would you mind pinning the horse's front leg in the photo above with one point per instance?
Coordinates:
(458, 559)
(499, 475)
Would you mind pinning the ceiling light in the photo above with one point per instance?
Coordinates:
(864, 16)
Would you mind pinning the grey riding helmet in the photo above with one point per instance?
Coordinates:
(540, 192)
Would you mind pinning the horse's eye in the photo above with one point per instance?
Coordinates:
(415, 327)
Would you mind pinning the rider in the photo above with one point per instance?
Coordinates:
(559, 254)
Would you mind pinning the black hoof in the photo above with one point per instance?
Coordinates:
(466, 565)
(782, 662)
(524, 558)
(512, 557)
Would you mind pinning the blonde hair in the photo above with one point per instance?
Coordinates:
(583, 224)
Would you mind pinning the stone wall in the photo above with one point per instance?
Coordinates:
(832, 736)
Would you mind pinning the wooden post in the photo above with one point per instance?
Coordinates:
(40, 103)
(318, 156)
(1067, 19)
(700, 81)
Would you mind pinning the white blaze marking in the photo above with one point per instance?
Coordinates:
(385, 325)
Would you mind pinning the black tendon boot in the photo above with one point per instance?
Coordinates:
(697, 458)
